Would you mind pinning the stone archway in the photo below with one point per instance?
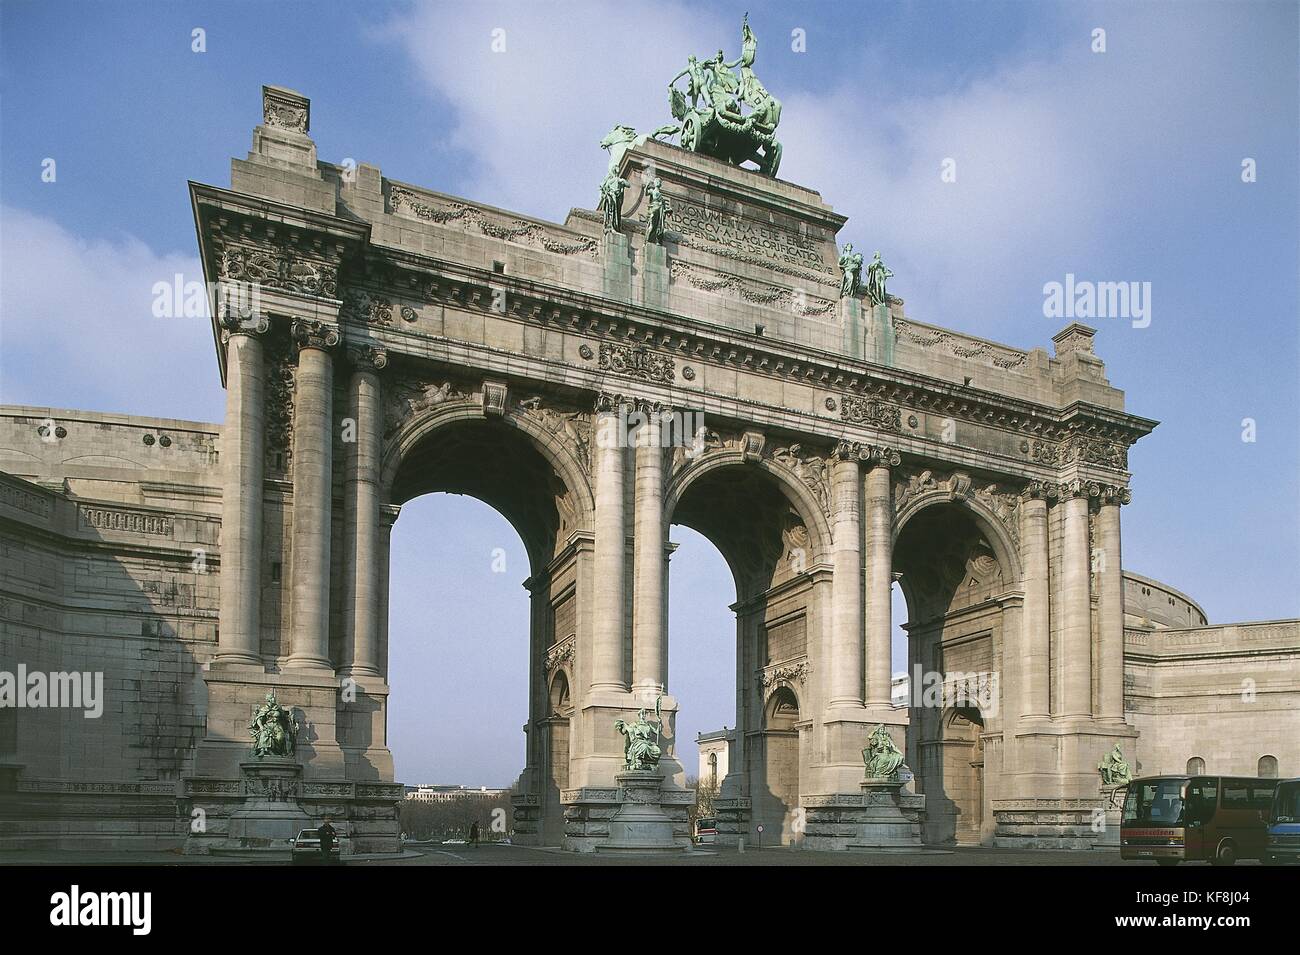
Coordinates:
(762, 508)
(962, 594)
(528, 463)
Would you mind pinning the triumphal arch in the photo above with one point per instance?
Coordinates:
(698, 350)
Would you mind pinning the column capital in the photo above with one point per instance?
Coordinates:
(1115, 494)
(311, 333)
(1041, 491)
(365, 358)
(875, 455)
(611, 403)
(235, 320)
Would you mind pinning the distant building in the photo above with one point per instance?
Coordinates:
(452, 793)
(899, 688)
(715, 756)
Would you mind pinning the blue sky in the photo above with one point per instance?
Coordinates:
(1122, 165)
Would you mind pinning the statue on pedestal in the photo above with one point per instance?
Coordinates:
(1114, 769)
(611, 201)
(877, 274)
(881, 755)
(641, 750)
(851, 267)
(273, 729)
(658, 211)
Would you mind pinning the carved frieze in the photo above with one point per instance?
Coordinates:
(366, 308)
(278, 269)
(784, 674)
(573, 428)
(404, 398)
(959, 346)
(1089, 450)
(795, 300)
(492, 224)
(285, 110)
(810, 469)
(636, 361)
(560, 654)
(874, 414)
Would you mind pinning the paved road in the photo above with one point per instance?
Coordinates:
(454, 855)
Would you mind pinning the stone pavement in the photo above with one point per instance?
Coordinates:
(459, 854)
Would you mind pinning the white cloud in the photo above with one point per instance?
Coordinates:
(1054, 151)
(77, 326)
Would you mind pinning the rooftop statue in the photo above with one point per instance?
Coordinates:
(851, 269)
(641, 749)
(877, 274)
(1114, 769)
(882, 756)
(659, 210)
(274, 731)
(617, 142)
(715, 122)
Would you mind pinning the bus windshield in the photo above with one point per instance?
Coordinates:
(1286, 803)
(1154, 802)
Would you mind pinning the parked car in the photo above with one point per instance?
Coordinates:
(305, 849)
(1284, 824)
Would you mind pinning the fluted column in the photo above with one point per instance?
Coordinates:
(313, 432)
(1035, 659)
(1076, 606)
(609, 553)
(361, 513)
(648, 657)
(1110, 587)
(847, 650)
(243, 463)
(880, 578)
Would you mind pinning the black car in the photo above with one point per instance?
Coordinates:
(306, 849)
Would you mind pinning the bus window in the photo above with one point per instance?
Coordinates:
(1236, 794)
(1202, 799)
(1155, 802)
(1286, 804)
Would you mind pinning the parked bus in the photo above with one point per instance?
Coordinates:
(706, 830)
(1175, 819)
(1284, 824)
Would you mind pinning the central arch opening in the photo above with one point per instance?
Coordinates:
(747, 514)
(952, 582)
(472, 656)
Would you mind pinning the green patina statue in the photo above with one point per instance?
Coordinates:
(658, 211)
(851, 267)
(1114, 769)
(881, 755)
(273, 729)
(715, 121)
(877, 274)
(641, 749)
(611, 201)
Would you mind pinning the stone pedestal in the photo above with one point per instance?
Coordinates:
(882, 335)
(883, 817)
(1106, 819)
(882, 823)
(640, 826)
(271, 814)
(654, 276)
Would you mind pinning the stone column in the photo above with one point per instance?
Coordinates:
(648, 658)
(610, 551)
(1035, 659)
(361, 513)
(1110, 586)
(847, 649)
(243, 462)
(880, 576)
(313, 436)
(1076, 606)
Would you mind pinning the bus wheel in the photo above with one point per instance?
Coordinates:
(1168, 862)
(1227, 854)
